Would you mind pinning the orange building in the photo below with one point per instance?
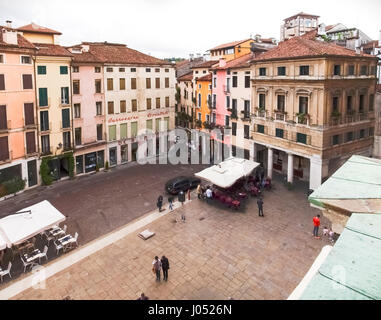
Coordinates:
(18, 124)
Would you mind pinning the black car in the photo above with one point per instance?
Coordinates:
(174, 186)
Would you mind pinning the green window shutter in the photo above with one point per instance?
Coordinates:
(149, 124)
(63, 69)
(112, 133)
(157, 124)
(134, 129)
(65, 118)
(123, 131)
(41, 69)
(43, 97)
(301, 138)
(279, 133)
(260, 128)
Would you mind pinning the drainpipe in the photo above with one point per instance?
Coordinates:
(34, 57)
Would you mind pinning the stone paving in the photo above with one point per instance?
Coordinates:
(216, 254)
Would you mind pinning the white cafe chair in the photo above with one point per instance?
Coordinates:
(6, 272)
(26, 264)
(64, 228)
(44, 254)
(58, 247)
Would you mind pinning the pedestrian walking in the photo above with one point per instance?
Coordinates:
(165, 267)
(316, 221)
(208, 194)
(170, 201)
(199, 191)
(160, 202)
(156, 267)
(188, 194)
(181, 197)
(143, 297)
(260, 206)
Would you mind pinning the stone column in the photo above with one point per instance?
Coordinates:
(290, 168)
(253, 152)
(270, 163)
(316, 172)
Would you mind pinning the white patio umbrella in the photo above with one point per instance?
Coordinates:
(28, 222)
(227, 173)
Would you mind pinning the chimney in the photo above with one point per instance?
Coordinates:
(257, 37)
(10, 36)
(191, 55)
(9, 23)
(222, 63)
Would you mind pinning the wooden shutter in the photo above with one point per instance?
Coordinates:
(29, 114)
(43, 97)
(65, 118)
(27, 81)
(134, 105)
(4, 152)
(122, 106)
(148, 83)
(133, 83)
(3, 117)
(157, 83)
(2, 82)
(167, 82)
(30, 142)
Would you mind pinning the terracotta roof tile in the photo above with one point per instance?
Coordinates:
(119, 53)
(206, 64)
(371, 45)
(229, 45)
(44, 49)
(241, 62)
(22, 43)
(32, 27)
(186, 77)
(205, 78)
(85, 57)
(304, 46)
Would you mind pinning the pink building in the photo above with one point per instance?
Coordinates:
(18, 123)
(220, 94)
(88, 110)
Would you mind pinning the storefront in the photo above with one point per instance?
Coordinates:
(88, 162)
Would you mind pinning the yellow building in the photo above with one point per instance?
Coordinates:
(53, 91)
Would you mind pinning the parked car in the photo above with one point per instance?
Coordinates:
(175, 185)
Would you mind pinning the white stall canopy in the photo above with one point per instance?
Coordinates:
(28, 222)
(3, 243)
(227, 173)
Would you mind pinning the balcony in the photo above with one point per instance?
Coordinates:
(8, 127)
(245, 116)
(7, 159)
(302, 118)
(260, 113)
(280, 115)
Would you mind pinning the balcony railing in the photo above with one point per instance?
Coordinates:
(260, 113)
(280, 115)
(9, 126)
(302, 118)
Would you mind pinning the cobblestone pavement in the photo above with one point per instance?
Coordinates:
(216, 254)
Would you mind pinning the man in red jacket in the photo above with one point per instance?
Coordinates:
(316, 221)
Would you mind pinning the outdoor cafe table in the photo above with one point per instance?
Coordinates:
(66, 241)
(32, 257)
(55, 232)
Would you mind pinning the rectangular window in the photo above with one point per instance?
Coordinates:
(234, 105)
(41, 69)
(77, 110)
(303, 105)
(157, 103)
(247, 81)
(281, 102)
(361, 103)
(149, 103)
(110, 84)
(246, 131)
(349, 103)
(75, 69)
(98, 86)
(134, 129)
(133, 83)
(44, 120)
(227, 102)
(30, 142)
(65, 95)
(279, 133)
(157, 83)
(157, 70)
(215, 82)
(364, 70)
(157, 124)
(371, 132)
(99, 132)
(98, 106)
(122, 84)
(351, 70)
(45, 144)
(26, 60)
(29, 114)
(65, 118)
(260, 128)
(167, 82)
(1, 58)
(110, 107)
(134, 104)
(75, 86)
(335, 105)
(112, 133)
(63, 70)
(247, 109)
(2, 82)
(66, 140)
(79, 164)
(133, 69)
(234, 82)
(371, 102)
(167, 102)
(97, 69)
(109, 69)
(304, 70)
(148, 69)
(227, 121)
(27, 81)
(124, 153)
(122, 70)
(281, 71)
(78, 136)
(3, 117)
(123, 106)
(43, 97)
(301, 138)
(262, 72)
(149, 124)
(336, 70)
(349, 136)
(234, 128)
(362, 133)
(123, 131)
(335, 140)
(262, 101)
(148, 83)
(166, 70)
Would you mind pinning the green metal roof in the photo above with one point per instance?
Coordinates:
(358, 178)
(352, 270)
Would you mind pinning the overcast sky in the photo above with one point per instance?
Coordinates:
(175, 28)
